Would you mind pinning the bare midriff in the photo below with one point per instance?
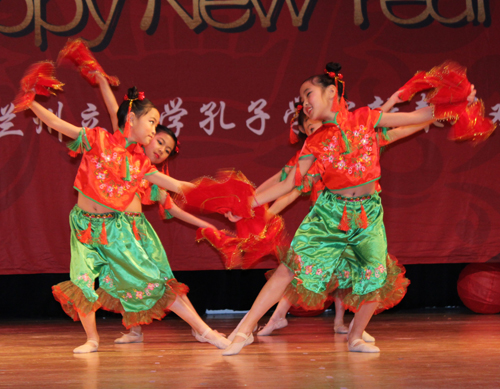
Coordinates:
(363, 190)
(91, 206)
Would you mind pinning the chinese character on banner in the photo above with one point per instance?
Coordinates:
(173, 112)
(6, 121)
(422, 103)
(379, 103)
(208, 124)
(290, 112)
(495, 113)
(256, 107)
(89, 116)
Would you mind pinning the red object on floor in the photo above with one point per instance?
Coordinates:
(479, 287)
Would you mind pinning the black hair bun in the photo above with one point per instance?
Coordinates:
(132, 93)
(333, 67)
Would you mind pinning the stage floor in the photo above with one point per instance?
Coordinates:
(418, 350)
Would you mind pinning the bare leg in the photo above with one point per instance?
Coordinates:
(338, 324)
(90, 328)
(270, 294)
(185, 312)
(278, 319)
(355, 337)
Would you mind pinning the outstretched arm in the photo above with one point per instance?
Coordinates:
(180, 214)
(404, 131)
(283, 187)
(284, 201)
(109, 99)
(391, 102)
(269, 183)
(167, 182)
(53, 121)
(396, 119)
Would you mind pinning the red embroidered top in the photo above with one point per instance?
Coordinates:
(110, 173)
(348, 151)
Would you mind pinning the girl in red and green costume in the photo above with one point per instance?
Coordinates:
(110, 238)
(348, 213)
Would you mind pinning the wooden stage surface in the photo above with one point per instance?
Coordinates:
(446, 349)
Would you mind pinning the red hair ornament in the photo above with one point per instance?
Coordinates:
(140, 96)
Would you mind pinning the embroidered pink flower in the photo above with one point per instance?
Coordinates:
(331, 159)
(346, 274)
(381, 268)
(309, 269)
(115, 155)
(110, 189)
(318, 272)
(100, 176)
(331, 146)
(150, 286)
(129, 295)
(355, 133)
(98, 165)
(102, 186)
(368, 274)
(139, 294)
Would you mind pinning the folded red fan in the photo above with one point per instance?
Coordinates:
(38, 80)
(77, 52)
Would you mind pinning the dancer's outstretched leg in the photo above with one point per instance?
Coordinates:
(190, 316)
(355, 340)
(278, 319)
(270, 294)
(89, 325)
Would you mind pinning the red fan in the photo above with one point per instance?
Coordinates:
(38, 80)
(448, 89)
(77, 52)
(230, 191)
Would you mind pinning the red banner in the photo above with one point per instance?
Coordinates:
(224, 75)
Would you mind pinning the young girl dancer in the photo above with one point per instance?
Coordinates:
(163, 145)
(110, 238)
(348, 212)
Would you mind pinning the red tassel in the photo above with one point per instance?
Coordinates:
(344, 222)
(136, 231)
(85, 236)
(364, 219)
(103, 238)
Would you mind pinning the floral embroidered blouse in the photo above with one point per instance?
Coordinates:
(110, 172)
(348, 151)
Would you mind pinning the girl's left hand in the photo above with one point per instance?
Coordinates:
(472, 96)
(232, 218)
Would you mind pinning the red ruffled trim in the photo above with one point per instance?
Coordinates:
(230, 191)
(388, 295)
(73, 301)
(158, 311)
(76, 51)
(37, 80)
(256, 238)
(225, 243)
(300, 296)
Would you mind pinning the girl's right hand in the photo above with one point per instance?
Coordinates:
(232, 217)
